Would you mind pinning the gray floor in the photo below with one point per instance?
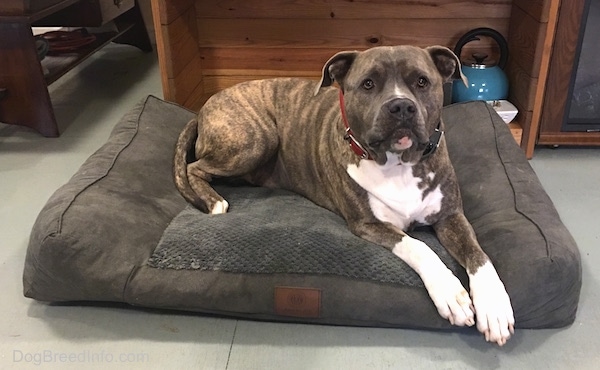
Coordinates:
(88, 102)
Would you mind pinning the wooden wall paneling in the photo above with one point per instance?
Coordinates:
(344, 9)
(196, 99)
(545, 50)
(162, 48)
(305, 59)
(561, 67)
(339, 33)
(184, 84)
(526, 33)
(178, 49)
(537, 9)
(530, 43)
(169, 10)
(523, 86)
(181, 37)
(290, 59)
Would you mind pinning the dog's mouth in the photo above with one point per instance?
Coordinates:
(399, 141)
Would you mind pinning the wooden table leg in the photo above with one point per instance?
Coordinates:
(138, 35)
(26, 100)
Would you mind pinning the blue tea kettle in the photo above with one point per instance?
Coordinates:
(486, 82)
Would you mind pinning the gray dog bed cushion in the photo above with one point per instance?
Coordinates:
(119, 231)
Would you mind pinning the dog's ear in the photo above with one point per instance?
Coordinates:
(447, 63)
(336, 69)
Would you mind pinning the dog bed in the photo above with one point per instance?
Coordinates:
(119, 231)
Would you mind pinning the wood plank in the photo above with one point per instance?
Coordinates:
(359, 9)
(526, 34)
(561, 68)
(180, 40)
(162, 48)
(522, 86)
(338, 33)
(169, 10)
(281, 59)
(523, 119)
(569, 138)
(517, 132)
(196, 99)
(60, 64)
(184, 84)
(261, 73)
(309, 59)
(544, 50)
(537, 9)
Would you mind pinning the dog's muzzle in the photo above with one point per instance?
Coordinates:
(403, 110)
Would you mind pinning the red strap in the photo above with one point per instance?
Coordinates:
(343, 109)
(354, 144)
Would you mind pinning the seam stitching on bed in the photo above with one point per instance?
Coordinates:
(134, 269)
(510, 180)
(107, 169)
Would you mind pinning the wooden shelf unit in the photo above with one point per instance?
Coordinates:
(25, 100)
(58, 65)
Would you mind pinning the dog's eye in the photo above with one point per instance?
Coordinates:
(368, 84)
(422, 82)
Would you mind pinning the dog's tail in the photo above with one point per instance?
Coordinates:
(185, 144)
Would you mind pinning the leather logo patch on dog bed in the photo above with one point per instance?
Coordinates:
(298, 302)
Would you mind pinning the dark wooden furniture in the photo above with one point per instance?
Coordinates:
(561, 69)
(24, 98)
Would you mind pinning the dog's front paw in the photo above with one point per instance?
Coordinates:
(451, 299)
(493, 310)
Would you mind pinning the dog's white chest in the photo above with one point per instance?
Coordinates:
(394, 192)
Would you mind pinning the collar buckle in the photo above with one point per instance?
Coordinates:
(434, 142)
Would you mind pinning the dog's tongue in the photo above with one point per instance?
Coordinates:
(404, 142)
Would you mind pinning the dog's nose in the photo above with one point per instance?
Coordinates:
(401, 108)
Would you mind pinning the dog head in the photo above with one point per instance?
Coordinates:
(393, 96)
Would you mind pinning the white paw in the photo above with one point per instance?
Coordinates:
(494, 313)
(219, 207)
(451, 299)
(447, 293)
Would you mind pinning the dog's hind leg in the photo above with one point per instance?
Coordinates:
(209, 200)
(222, 151)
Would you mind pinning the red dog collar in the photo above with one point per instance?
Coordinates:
(349, 136)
